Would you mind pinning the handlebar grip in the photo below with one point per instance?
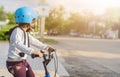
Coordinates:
(34, 56)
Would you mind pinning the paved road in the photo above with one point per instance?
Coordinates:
(90, 57)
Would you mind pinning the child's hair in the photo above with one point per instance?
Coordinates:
(22, 24)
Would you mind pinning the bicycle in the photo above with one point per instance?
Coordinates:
(47, 58)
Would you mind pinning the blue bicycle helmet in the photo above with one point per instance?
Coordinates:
(25, 15)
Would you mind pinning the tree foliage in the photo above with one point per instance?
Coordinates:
(6, 15)
(2, 14)
(11, 18)
(56, 20)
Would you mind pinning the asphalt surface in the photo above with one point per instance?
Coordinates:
(90, 57)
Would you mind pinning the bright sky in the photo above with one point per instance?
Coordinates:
(98, 6)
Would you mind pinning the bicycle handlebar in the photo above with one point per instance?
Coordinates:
(44, 55)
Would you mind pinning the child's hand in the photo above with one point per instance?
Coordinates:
(50, 48)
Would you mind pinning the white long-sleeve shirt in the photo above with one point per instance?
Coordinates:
(16, 45)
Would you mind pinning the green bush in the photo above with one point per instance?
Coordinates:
(3, 37)
(4, 29)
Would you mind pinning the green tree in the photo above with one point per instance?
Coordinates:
(77, 22)
(56, 20)
(10, 16)
(2, 14)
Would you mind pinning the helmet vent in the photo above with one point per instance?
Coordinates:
(22, 15)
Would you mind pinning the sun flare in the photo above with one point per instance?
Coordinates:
(97, 6)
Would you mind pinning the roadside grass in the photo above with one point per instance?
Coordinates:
(50, 41)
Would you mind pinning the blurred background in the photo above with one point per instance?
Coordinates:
(77, 18)
(85, 33)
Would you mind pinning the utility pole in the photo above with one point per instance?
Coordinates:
(42, 28)
(43, 11)
(42, 23)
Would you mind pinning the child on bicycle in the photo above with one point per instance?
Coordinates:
(20, 41)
